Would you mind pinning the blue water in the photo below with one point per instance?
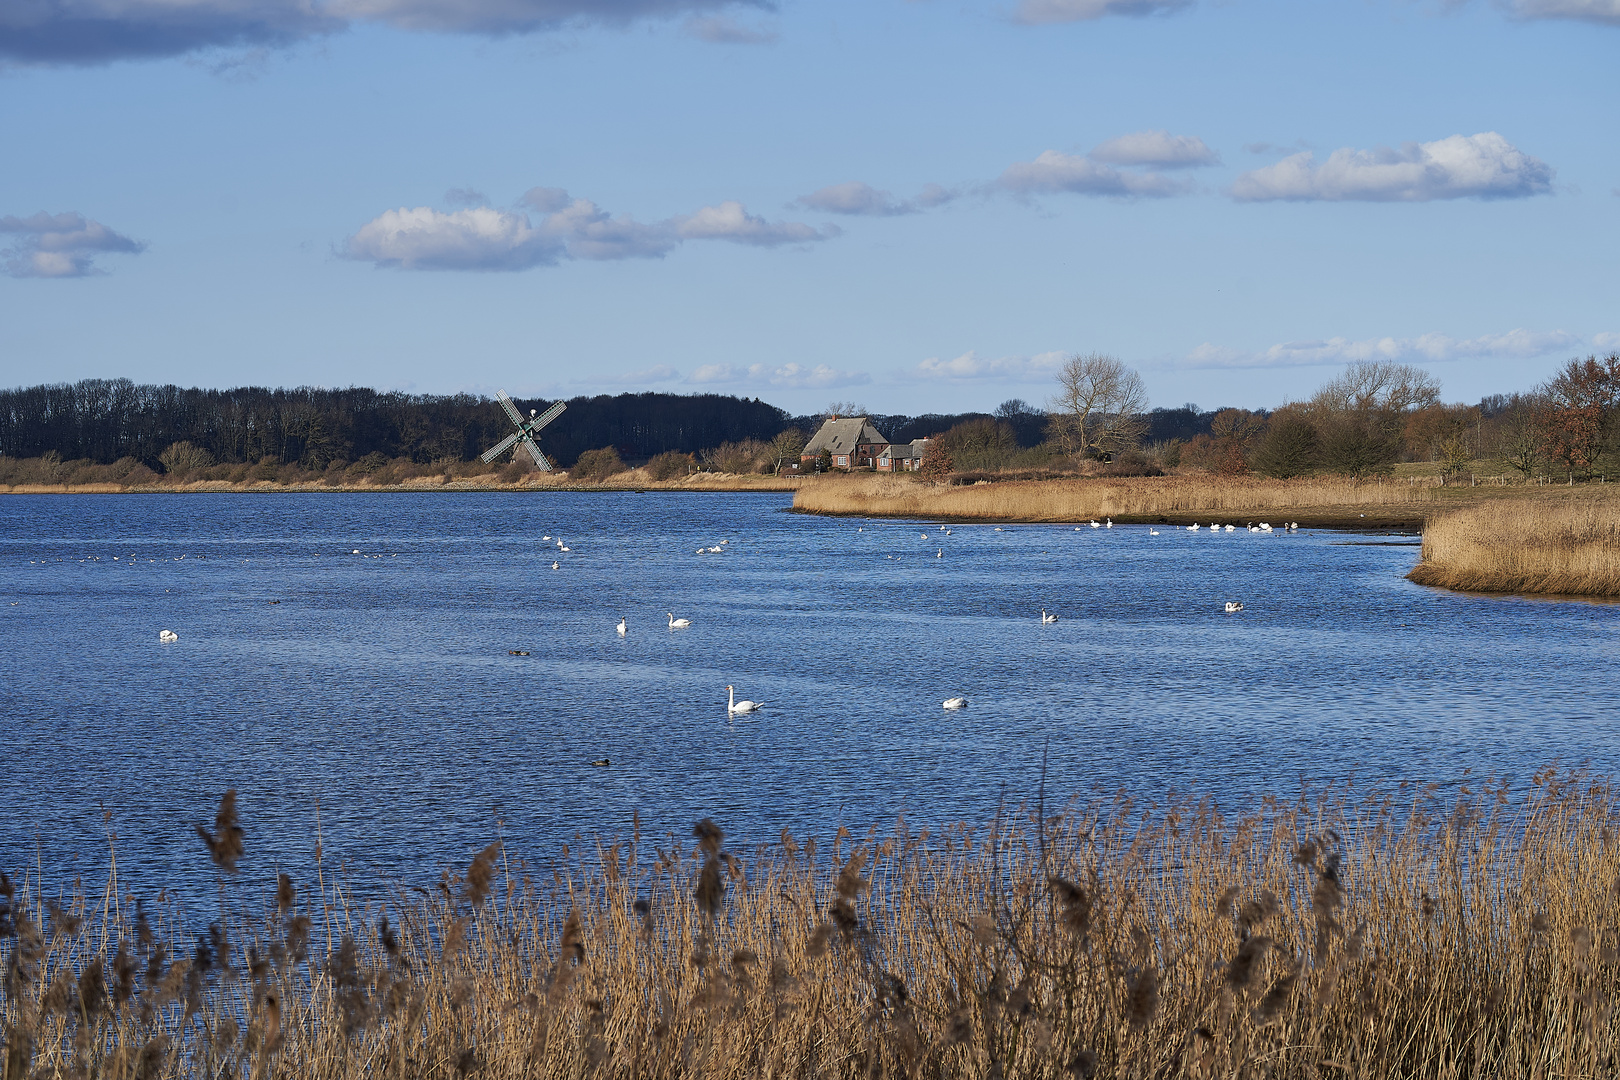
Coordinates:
(382, 687)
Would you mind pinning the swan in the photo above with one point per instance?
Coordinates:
(716, 551)
(545, 538)
(1234, 605)
(559, 542)
(1110, 524)
(1048, 617)
(1192, 528)
(925, 536)
(998, 527)
(561, 548)
(1095, 524)
(1152, 531)
(735, 706)
(940, 554)
(1229, 528)
(623, 629)
(702, 551)
(955, 703)
(678, 624)
(555, 565)
(168, 635)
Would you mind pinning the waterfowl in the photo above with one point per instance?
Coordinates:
(940, 554)
(601, 762)
(555, 565)
(1192, 528)
(1234, 605)
(622, 627)
(735, 706)
(677, 624)
(1152, 531)
(516, 652)
(1048, 617)
(1095, 524)
(955, 703)
(168, 635)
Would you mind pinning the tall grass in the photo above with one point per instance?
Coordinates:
(1071, 500)
(1349, 936)
(1525, 546)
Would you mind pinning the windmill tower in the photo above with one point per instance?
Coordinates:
(524, 435)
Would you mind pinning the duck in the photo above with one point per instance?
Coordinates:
(954, 703)
(168, 635)
(516, 652)
(677, 624)
(622, 627)
(1048, 616)
(744, 706)
(1234, 605)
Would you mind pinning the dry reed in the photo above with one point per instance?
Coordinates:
(1347, 936)
(1079, 499)
(1524, 546)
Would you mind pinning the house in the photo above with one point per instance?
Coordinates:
(902, 457)
(852, 442)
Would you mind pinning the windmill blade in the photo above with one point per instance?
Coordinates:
(534, 452)
(548, 416)
(511, 409)
(499, 448)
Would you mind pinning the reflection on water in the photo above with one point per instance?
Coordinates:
(382, 683)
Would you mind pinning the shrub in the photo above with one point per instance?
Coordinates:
(267, 469)
(936, 461)
(182, 457)
(671, 465)
(597, 464)
(1289, 448)
(515, 470)
(749, 455)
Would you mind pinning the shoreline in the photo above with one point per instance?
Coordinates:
(714, 482)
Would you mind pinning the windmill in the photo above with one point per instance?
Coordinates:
(526, 428)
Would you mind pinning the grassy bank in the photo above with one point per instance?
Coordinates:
(1176, 499)
(632, 480)
(1354, 936)
(1525, 546)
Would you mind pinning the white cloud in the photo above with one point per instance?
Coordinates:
(1066, 11)
(1156, 148)
(970, 366)
(485, 238)
(723, 30)
(731, 221)
(1426, 348)
(1054, 171)
(1606, 341)
(792, 376)
(480, 238)
(59, 245)
(100, 31)
(1598, 11)
(857, 198)
(820, 377)
(588, 232)
(1483, 166)
(854, 197)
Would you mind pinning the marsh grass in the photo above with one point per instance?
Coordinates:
(1127, 497)
(1412, 935)
(1523, 546)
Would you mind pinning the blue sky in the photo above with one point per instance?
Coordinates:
(915, 204)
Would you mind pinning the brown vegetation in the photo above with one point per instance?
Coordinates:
(1368, 937)
(1570, 547)
(1128, 498)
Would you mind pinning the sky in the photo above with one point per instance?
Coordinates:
(914, 205)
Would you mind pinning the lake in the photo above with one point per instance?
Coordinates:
(381, 684)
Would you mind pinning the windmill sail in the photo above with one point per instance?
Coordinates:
(524, 436)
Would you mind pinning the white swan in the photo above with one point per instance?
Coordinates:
(735, 706)
(1095, 524)
(561, 548)
(1234, 605)
(717, 551)
(678, 624)
(1048, 617)
(955, 703)
(168, 635)
(925, 536)
(1110, 524)
(545, 538)
(1152, 531)
(623, 629)
(1229, 528)
(1192, 528)
(940, 554)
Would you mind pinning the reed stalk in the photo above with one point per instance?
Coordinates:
(1401, 935)
(1524, 546)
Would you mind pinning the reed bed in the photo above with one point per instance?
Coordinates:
(1347, 936)
(1524, 546)
(1153, 497)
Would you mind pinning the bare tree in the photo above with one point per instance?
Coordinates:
(1362, 414)
(787, 446)
(1100, 407)
(836, 409)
